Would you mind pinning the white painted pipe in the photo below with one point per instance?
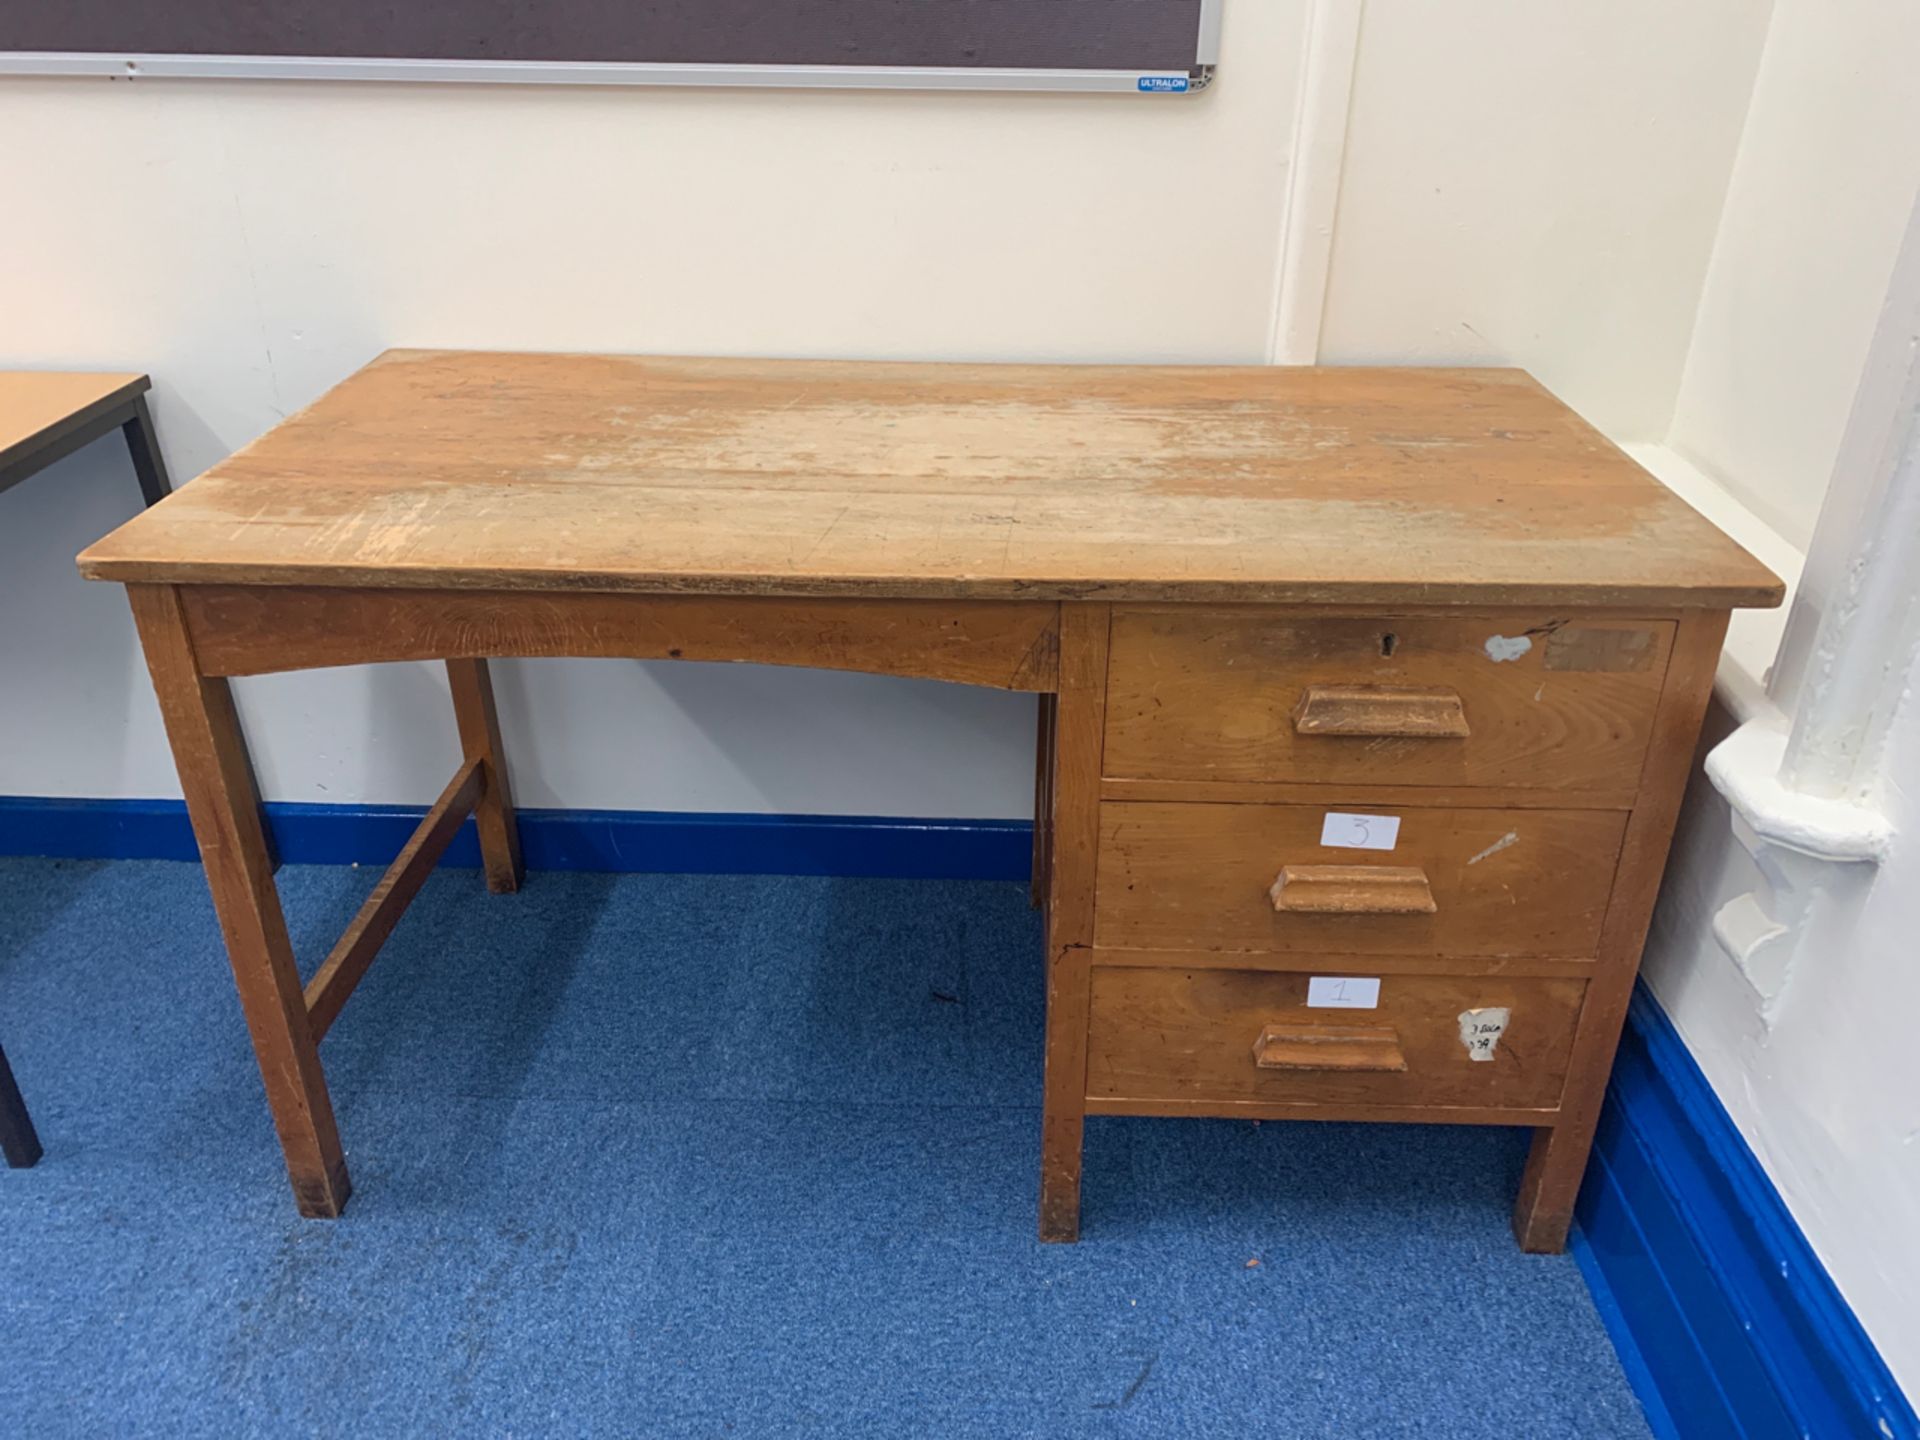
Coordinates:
(1864, 652)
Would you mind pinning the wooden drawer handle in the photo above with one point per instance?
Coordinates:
(1353, 890)
(1380, 710)
(1328, 1047)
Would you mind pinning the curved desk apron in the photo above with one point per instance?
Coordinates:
(1367, 695)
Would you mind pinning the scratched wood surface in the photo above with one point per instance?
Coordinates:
(39, 406)
(508, 471)
(1210, 695)
(1190, 1035)
(1503, 882)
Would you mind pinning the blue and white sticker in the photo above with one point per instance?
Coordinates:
(1165, 84)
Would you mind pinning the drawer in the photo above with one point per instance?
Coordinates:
(1178, 876)
(1233, 1037)
(1527, 700)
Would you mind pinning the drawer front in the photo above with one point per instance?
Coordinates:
(1525, 700)
(1495, 882)
(1238, 1036)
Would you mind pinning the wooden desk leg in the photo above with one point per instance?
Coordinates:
(473, 711)
(18, 1142)
(1043, 799)
(1078, 729)
(144, 446)
(216, 776)
(1543, 1213)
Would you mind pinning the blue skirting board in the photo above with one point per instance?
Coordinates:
(602, 840)
(1724, 1319)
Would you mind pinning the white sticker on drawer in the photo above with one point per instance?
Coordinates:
(1359, 832)
(1342, 992)
(1480, 1030)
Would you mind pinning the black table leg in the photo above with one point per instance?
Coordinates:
(144, 446)
(17, 1140)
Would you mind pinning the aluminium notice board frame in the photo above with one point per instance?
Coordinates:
(105, 59)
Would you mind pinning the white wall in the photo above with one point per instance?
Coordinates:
(1813, 1054)
(1821, 188)
(1538, 185)
(251, 243)
(1821, 1077)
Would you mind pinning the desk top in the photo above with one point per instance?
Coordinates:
(579, 472)
(38, 407)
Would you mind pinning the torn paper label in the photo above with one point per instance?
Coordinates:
(1507, 647)
(1601, 647)
(1480, 1030)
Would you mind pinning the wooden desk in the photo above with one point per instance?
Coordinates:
(1250, 599)
(45, 414)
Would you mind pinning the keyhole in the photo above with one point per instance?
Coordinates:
(1387, 643)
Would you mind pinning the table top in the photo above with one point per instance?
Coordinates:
(1144, 483)
(38, 407)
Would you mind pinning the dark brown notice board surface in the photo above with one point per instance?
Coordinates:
(1139, 35)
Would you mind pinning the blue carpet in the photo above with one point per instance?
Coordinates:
(709, 1156)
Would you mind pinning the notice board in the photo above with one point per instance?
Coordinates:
(1150, 47)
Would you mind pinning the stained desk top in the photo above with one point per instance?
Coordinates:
(1146, 483)
(40, 407)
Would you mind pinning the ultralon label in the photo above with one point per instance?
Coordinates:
(1170, 84)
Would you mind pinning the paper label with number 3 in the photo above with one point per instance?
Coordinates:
(1359, 832)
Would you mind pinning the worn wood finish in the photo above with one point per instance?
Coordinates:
(1074, 822)
(471, 685)
(1329, 963)
(1329, 1047)
(1544, 1210)
(255, 631)
(1189, 1035)
(1352, 890)
(1381, 712)
(1503, 882)
(1368, 798)
(1205, 695)
(216, 776)
(1331, 1110)
(576, 472)
(1246, 597)
(326, 993)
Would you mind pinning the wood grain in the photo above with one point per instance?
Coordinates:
(1212, 695)
(470, 683)
(216, 778)
(1329, 1047)
(326, 993)
(575, 472)
(1543, 1212)
(1189, 1036)
(1352, 890)
(1381, 712)
(1323, 962)
(1076, 728)
(1200, 877)
(1350, 796)
(1366, 1112)
(241, 630)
